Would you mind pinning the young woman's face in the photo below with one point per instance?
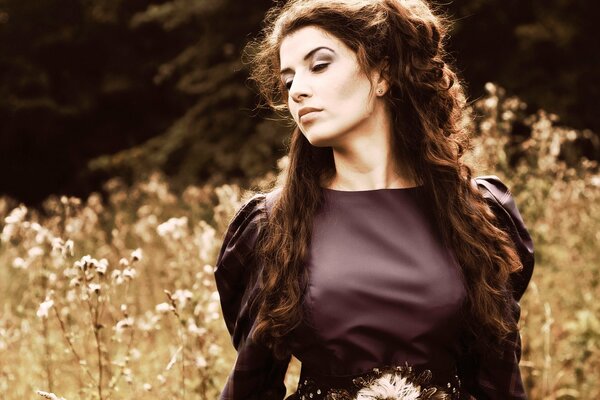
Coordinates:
(329, 96)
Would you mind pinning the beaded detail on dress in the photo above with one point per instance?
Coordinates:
(399, 382)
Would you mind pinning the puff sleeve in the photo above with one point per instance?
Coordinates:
(256, 373)
(498, 377)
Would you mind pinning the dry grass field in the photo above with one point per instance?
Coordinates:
(114, 297)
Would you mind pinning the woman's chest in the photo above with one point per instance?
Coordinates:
(381, 271)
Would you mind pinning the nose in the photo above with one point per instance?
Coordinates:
(300, 89)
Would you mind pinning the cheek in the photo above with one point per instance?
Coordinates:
(293, 110)
(353, 92)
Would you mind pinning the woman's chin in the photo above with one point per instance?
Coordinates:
(318, 139)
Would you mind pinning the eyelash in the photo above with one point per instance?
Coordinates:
(316, 68)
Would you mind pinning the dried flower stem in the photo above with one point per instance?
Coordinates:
(181, 337)
(546, 328)
(96, 329)
(71, 346)
(114, 382)
(48, 355)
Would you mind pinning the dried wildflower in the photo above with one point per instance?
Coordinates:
(129, 273)
(213, 312)
(201, 362)
(16, 216)
(102, 266)
(68, 248)
(85, 262)
(136, 255)
(163, 308)
(35, 252)
(45, 306)
(182, 296)
(19, 263)
(71, 296)
(123, 324)
(175, 228)
(173, 359)
(123, 262)
(94, 288)
(214, 349)
(195, 329)
(48, 395)
(128, 375)
(117, 277)
(135, 353)
(57, 244)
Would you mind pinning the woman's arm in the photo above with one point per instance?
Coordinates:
(256, 373)
(492, 376)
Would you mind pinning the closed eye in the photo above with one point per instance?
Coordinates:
(320, 67)
(316, 68)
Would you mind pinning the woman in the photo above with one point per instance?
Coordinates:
(379, 258)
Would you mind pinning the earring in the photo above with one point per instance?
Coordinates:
(380, 91)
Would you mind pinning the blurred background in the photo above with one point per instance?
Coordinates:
(94, 89)
(129, 137)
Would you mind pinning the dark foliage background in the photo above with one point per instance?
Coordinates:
(92, 89)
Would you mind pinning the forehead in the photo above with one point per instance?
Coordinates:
(298, 43)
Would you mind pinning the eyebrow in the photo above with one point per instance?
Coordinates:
(306, 57)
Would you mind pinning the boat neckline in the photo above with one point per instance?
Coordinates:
(372, 190)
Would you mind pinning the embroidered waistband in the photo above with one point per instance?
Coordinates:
(401, 380)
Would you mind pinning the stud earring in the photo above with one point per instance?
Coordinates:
(380, 91)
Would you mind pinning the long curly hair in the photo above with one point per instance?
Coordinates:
(427, 104)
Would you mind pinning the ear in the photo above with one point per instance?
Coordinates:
(381, 75)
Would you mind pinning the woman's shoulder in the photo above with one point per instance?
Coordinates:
(492, 187)
(250, 217)
(502, 203)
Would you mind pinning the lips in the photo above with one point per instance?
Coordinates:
(306, 110)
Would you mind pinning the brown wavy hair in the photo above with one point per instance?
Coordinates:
(428, 103)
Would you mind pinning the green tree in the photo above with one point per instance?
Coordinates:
(219, 135)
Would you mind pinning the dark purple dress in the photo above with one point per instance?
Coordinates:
(383, 291)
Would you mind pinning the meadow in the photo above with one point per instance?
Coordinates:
(113, 296)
